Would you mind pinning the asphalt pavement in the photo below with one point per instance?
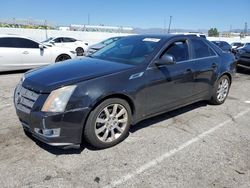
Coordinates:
(199, 145)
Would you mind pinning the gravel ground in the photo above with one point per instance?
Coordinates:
(197, 146)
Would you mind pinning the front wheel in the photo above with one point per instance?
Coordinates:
(108, 124)
(79, 51)
(221, 90)
(62, 57)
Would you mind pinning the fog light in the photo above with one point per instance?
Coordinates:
(48, 132)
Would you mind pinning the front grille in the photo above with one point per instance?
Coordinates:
(25, 99)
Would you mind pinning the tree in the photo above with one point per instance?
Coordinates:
(213, 32)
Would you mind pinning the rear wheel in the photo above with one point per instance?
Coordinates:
(221, 90)
(79, 51)
(62, 57)
(108, 124)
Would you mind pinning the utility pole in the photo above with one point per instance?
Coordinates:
(245, 29)
(46, 31)
(88, 19)
(169, 26)
(230, 31)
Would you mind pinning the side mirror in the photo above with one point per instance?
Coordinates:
(166, 59)
(41, 46)
(52, 42)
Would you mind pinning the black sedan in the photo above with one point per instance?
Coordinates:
(97, 98)
(243, 56)
(236, 45)
(223, 45)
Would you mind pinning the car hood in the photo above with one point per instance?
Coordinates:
(46, 79)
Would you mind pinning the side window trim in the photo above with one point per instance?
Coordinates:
(209, 57)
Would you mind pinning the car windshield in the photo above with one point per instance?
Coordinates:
(130, 50)
(47, 40)
(236, 44)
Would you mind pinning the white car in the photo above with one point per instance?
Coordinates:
(20, 53)
(196, 34)
(79, 46)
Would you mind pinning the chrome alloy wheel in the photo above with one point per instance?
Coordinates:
(222, 90)
(111, 122)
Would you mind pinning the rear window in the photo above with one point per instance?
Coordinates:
(201, 49)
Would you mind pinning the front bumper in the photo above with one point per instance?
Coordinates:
(244, 62)
(56, 129)
(68, 124)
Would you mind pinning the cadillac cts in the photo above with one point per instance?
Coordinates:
(97, 98)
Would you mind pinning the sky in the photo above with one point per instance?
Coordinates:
(189, 14)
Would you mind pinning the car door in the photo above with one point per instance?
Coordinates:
(10, 55)
(170, 85)
(206, 62)
(31, 54)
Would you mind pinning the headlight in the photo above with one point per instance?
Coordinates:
(58, 99)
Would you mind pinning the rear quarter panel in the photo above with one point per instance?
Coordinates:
(228, 64)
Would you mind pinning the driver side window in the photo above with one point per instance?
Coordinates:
(179, 50)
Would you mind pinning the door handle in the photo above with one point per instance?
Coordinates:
(214, 66)
(188, 71)
(25, 52)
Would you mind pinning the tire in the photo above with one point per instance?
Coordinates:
(79, 51)
(62, 57)
(221, 90)
(105, 127)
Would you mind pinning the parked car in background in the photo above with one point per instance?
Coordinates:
(98, 97)
(68, 42)
(93, 48)
(19, 53)
(196, 34)
(236, 45)
(243, 56)
(223, 45)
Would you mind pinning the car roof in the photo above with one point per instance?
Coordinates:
(166, 36)
(62, 37)
(12, 35)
